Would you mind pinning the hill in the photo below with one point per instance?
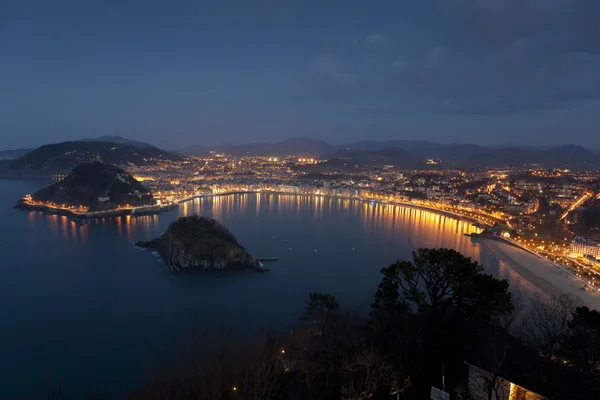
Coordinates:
(414, 153)
(469, 155)
(388, 156)
(62, 157)
(12, 154)
(97, 187)
(120, 140)
(296, 146)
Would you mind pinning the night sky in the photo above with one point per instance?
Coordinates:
(178, 73)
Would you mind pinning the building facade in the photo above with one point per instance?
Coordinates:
(483, 384)
(581, 247)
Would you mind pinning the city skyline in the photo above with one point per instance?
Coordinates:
(193, 73)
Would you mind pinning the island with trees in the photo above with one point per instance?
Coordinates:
(94, 190)
(196, 243)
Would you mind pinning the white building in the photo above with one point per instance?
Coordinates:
(581, 247)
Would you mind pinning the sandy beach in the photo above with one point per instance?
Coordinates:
(543, 274)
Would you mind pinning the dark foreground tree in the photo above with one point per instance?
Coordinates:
(321, 309)
(582, 347)
(436, 307)
(546, 324)
(429, 315)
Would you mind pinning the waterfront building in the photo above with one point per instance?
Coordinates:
(581, 247)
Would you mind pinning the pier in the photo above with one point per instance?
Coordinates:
(267, 258)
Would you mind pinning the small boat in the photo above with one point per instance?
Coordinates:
(353, 249)
(273, 237)
(290, 248)
(284, 240)
(315, 250)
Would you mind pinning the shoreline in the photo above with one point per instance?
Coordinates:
(547, 279)
(434, 210)
(562, 281)
(544, 284)
(151, 210)
(560, 267)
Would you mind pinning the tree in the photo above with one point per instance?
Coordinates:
(438, 304)
(546, 324)
(321, 308)
(364, 370)
(582, 347)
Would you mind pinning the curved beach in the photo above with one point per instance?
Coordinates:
(542, 273)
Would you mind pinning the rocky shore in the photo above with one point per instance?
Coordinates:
(197, 243)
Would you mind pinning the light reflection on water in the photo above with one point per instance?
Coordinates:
(384, 221)
(110, 298)
(375, 219)
(421, 228)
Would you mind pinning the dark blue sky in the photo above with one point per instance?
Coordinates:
(176, 73)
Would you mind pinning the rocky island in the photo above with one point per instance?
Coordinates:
(200, 244)
(93, 189)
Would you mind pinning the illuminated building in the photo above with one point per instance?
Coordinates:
(482, 382)
(581, 247)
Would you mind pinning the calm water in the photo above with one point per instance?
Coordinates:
(82, 305)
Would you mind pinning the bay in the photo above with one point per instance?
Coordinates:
(83, 308)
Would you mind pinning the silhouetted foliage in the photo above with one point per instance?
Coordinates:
(582, 347)
(431, 310)
(435, 313)
(546, 325)
(321, 308)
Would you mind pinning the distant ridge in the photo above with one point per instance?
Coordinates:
(62, 157)
(404, 153)
(415, 153)
(11, 154)
(120, 140)
(295, 146)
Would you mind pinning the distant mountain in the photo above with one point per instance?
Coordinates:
(573, 154)
(194, 151)
(474, 156)
(12, 154)
(389, 155)
(415, 153)
(62, 157)
(299, 146)
(120, 140)
(296, 146)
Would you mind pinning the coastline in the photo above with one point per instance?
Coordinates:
(542, 258)
(536, 270)
(150, 210)
(545, 275)
(548, 276)
(158, 209)
(394, 203)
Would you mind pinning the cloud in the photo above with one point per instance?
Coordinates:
(375, 37)
(568, 24)
(483, 57)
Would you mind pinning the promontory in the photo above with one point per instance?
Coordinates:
(90, 189)
(201, 244)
